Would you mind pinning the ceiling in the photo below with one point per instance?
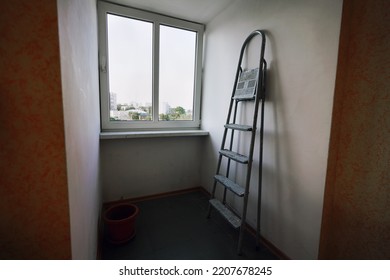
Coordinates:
(201, 11)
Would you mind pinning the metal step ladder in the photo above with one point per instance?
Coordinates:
(249, 86)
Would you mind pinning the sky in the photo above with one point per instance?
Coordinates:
(130, 62)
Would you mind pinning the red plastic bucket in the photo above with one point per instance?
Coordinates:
(119, 222)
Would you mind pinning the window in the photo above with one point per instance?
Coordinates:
(150, 70)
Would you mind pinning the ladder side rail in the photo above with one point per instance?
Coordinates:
(232, 136)
(214, 186)
(230, 147)
(248, 177)
(238, 72)
(218, 167)
(233, 121)
(260, 179)
(249, 168)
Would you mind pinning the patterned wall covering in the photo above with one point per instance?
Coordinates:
(34, 219)
(356, 219)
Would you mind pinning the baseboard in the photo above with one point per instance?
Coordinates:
(153, 196)
(266, 243)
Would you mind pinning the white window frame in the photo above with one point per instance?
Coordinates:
(105, 8)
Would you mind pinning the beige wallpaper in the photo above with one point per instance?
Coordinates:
(356, 218)
(34, 219)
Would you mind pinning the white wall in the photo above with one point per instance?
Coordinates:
(78, 47)
(301, 51)
(139, 167)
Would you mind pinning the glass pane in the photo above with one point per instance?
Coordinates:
(130, 68)
(176, 73)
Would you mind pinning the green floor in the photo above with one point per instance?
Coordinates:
(176, 228)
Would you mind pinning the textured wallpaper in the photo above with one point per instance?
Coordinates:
(34, 219)
(356, 220)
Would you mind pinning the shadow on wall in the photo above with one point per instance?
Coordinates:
(279, 184)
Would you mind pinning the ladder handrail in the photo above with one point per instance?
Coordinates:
(239, 69)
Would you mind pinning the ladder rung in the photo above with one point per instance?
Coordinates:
(248, 97)
(234, 156)
(226, 213)
(231, 185)
(239, 127)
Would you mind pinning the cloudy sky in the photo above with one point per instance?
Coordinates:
(130, 62)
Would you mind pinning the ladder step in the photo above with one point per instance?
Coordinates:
(248, 97)
(239, 127)
(235, 156)
(226, 213)
(247, 85)
(231, 185)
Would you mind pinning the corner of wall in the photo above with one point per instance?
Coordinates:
(80, 84)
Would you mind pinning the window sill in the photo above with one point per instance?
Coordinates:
(152, 134)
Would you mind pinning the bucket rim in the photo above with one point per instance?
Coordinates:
(108, 210)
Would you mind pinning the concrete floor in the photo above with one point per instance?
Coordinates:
(176, 228)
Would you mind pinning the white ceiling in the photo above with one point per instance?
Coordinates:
(201, 11)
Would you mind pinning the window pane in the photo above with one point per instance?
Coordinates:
(130, 68)
(176, 73)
